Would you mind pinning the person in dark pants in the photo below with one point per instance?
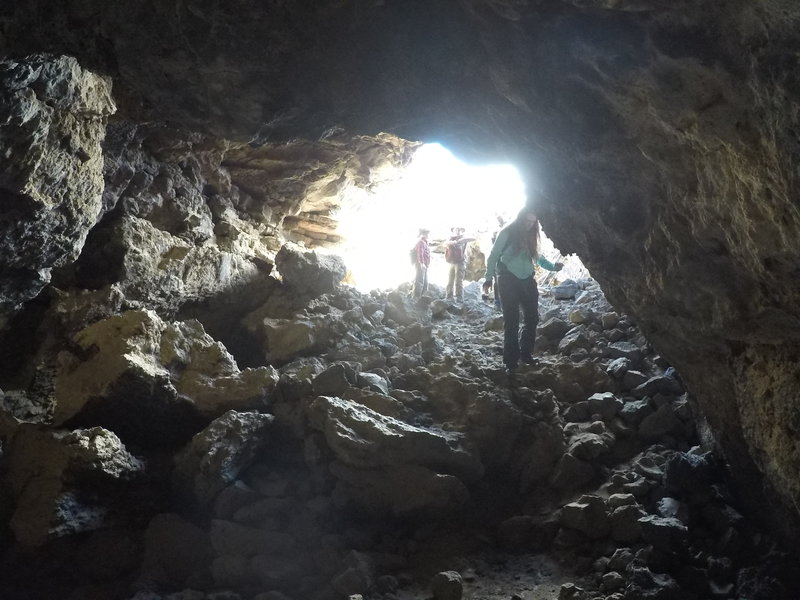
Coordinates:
(512, 258)
(421, 264)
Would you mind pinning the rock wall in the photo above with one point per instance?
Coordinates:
(659, 139)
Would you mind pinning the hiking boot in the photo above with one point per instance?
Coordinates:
(529, 359)
(511, 368)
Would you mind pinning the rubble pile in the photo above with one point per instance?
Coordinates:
(376, 429)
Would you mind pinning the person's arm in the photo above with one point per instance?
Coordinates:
(494, 256)
(546, 264)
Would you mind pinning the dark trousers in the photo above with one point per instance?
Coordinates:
(518, 294)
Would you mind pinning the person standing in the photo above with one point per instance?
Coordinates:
(498, 304)
(456, 256)
(423, 261)
(512, 258)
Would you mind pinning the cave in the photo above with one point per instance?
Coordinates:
(190, 394)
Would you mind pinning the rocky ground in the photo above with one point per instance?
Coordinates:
(373, 447)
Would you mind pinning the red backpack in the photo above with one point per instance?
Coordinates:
(454, 253)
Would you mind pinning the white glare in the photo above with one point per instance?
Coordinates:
(436, 191)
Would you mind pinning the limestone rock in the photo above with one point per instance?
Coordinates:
(554, 328)
(286, 339)
(566, 290)
(588, 514)
(605, 404)
(573, 340)
(45, 470)
(361, 437)
(687, 472)
(665, 533)
(160, 270)
(625, 350)
(447, 585)
(625, 526)
(618, 367)
(310, 272)
(52, 121)
(215, 456)
(662, 422)
(153, 381)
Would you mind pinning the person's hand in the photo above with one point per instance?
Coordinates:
(487, 286)
(559, 266)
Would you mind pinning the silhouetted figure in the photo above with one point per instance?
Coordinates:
(456, 256)
(423, 261)
(512, 258)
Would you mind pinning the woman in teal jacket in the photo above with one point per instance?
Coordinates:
(512, 258)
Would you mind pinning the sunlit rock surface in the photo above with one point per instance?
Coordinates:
(153, 381)
(53, 117)
(658, 140)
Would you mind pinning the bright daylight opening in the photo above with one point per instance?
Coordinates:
(436, 191)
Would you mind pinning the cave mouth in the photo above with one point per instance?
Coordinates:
(436, 191)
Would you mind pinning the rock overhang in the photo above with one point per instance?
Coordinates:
(660, 137)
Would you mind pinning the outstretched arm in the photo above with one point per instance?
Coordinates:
(546, 264)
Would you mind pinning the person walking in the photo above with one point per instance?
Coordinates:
(456, 256)
(423, 261)
(512, 258)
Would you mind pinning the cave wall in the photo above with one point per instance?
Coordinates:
(660, 141)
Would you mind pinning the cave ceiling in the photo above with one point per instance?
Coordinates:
(660, 141)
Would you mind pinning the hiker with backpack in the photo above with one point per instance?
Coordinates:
(455, 253)
(513, 255)
(421, 257)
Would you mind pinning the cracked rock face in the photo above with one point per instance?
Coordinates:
(170, 377)
(658, 140)
(53, 115)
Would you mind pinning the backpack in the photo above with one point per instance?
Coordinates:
(454, 253)
(412, 254)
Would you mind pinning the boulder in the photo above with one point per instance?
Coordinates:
(605, 404)
(661, 384)
(553, 328)
(588, 514)
(309, 271)
(565, 291)
(618, 367)
(447, 585)
(362, 437)
(152, 382)
(53, 117)
(215, 456)
(685, 472)
(665, 533)
(47, 468)
(662, 422)
(571, 473)
(624, 523)
(625, 350)
(572, 341)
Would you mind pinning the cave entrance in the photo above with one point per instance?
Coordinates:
(436, 191)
